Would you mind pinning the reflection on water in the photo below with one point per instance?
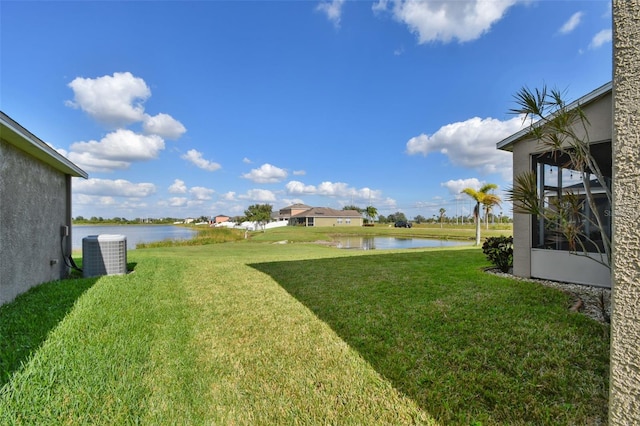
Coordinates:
(135, 233)
(381, 243)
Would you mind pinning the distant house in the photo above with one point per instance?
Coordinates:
(292, 210)
(219, 219)
(35, 210)
(324, 216)
(538, 251)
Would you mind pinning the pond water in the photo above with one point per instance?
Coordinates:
(135, 233)
(381, 243)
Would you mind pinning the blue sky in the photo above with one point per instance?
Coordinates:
(179, 109)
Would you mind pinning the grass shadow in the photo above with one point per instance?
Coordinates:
(26, 322)
(467, 346)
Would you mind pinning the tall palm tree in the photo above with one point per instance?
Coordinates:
(480, 196)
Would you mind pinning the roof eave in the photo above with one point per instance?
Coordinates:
(507, 143)
(26, 141)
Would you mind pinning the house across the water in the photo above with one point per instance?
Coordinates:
(303, 215)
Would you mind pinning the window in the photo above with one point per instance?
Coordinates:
(562, 191)
(339, 221)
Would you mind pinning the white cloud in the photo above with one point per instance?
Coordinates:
(333, 10)
(386, 203)
(267, 173)
(261, 195)
(178, 187)
(195, 157)
(229, 196)
(604, 36)
(178, 201)
(572, 23)
(380, 6)
(446, 20)
(91, 200)
(107, 206)
(117, 150)
(113, 100)
(332, 189)
(163, 125)
(245, 160)
(295, 187)
(456, 186)
(200, 193)
(299, 172)
(335, 189)
(123, 145)
(471, 144)
(113, 188)
(90, 163)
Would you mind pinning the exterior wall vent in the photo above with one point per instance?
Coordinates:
(104, 255)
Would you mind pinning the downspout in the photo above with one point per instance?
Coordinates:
(66, 239)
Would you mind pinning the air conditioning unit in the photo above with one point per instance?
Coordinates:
(104, 255)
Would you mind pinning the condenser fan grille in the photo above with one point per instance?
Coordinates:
(104, 255)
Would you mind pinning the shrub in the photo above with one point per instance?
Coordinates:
(499, 251)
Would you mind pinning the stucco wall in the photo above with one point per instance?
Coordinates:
(624, 400)
(522, 222)
(33, 207)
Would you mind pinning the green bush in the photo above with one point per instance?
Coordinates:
(499, 251)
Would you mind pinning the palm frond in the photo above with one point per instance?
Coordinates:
(530, 104)
(488, 187)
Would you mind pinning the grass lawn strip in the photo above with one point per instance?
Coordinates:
(122, 354)
(273, 358)
(259, 333)
(465, 346)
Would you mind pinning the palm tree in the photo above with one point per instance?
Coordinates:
(488, 202)
(480, 196)
(442, 212)
(371, 212)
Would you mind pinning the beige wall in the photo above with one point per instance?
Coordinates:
(333, 221)
(624, 399)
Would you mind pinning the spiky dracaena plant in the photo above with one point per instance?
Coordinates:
(561, 129)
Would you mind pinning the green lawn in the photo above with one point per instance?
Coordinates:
(258, 333)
